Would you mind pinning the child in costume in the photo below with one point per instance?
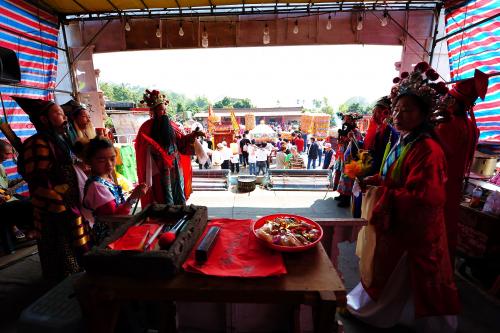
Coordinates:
(102, 195)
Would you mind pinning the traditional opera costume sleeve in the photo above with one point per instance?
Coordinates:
(409, 219)
(101, 201)
(458, 137)
(63, 236)
(168, 174)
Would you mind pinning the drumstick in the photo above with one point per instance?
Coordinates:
(153, 237)
(135, 206)
(169, 237)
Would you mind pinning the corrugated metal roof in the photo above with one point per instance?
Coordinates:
(75, 7)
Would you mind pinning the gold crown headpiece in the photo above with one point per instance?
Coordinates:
(421, 83)
(154, 98)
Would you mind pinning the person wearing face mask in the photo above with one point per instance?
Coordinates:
(411, 282)
(46, 164)
(163, 154)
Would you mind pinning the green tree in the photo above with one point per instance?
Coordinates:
(327, 108)
(123, 93)
(317, 103)
(180, 108)
(107, 89)
(355, 104)
(242, 104)
(229, 102)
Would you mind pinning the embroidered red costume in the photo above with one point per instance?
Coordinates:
(414, 210)
(458, 137)
(168, 173)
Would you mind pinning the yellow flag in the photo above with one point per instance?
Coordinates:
(236, 126)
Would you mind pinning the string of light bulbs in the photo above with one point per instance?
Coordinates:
(266, 37)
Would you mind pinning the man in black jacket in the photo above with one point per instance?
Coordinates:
(312, 155)
(244, 150)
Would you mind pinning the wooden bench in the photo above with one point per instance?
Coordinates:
(300, 180)
(210, 180)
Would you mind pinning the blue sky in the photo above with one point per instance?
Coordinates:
(266, 75)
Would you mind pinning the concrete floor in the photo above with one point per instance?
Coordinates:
(231, 204)
(21, 282)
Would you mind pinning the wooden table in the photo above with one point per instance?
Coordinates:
(311, 280)
(479, 246)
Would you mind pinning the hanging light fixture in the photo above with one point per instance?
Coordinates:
(329, 23)
(296, 27)
(204, 37)
(359, 26)
(127, 25)
(181, 31)
(385, 19)
(158, 31)
(266, 39)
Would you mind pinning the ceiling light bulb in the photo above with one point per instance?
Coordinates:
(385, 19)
(158, 32)
(266, 39)
(329, 23)
(181, 31)
(296, 28)
(127, 26)
(359, 27)
(204, 42)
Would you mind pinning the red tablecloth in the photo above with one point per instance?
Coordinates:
(135, 238)
(237, 252)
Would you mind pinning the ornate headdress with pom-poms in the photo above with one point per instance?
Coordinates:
(154, 98)
(421, 83)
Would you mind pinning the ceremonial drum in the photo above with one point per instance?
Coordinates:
(246, 183)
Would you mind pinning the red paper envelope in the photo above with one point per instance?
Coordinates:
(236, 252)
(135, 238)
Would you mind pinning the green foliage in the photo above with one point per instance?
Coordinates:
(317, 103)
(242, 104)
(236, 103)
(178, 102)
(321, 106)
(356, 104)
(108, 123)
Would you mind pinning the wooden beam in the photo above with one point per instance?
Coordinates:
(211, 6)
(81, 6)
(113, 5)
(144, 4)
(43, 5)
(179, 6)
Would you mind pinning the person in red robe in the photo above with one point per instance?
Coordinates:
(379, 133)
(412, 280)
(163, 154)
(458, 135)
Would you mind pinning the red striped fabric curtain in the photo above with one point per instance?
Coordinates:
(472, 46)
(33, 35)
